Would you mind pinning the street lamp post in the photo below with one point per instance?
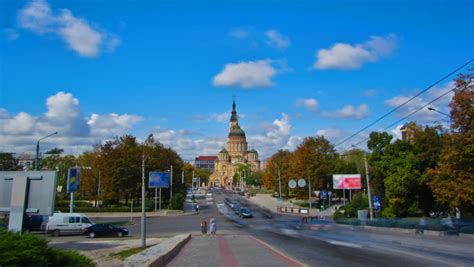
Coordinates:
(369, 194)
(279, 182)
(143, 226)
(37, 150)
(440, 112)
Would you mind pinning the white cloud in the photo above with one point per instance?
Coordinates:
(19, 132)
(249, 74)
(112, 124)
(349, 112)
(308, 103)
(239, 33)
(397, 134)
(274, 137)
(346, 56)
(276, 39)
(330, 133)
(38, 17)
(424, 115)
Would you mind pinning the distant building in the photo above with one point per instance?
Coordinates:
(205, 162)
(408, 131)
(25, 161)
(236, 154)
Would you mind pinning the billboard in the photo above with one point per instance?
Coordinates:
(34, 190)
(73, 180)
(159, 180)
(346, 181)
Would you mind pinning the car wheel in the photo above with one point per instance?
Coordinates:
(91, 234)
(119, 234)
(56, 232)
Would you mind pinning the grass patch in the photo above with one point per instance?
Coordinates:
(128, 252)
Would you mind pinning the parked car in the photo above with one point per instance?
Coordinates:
(70, 223)
(246, 213)
(104, 229)
(33, 222)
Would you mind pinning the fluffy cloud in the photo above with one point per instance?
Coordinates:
(346, 56)
(112, 124)
(249, 74)
(38, 17)
(308, 103)
(370, 93)
(19, 133)
(349, 112)
(424, 115)
(275, 136)
(276, 39)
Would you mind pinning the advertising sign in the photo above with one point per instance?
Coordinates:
(73, 180)
(159, 180)
(346, 181)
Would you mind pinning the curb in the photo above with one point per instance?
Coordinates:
(136, 214)
(159, 254)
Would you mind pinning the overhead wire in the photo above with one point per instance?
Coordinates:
(406, 102)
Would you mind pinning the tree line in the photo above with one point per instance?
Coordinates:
(433, 170)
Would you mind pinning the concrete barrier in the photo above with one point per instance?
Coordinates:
(159, 254)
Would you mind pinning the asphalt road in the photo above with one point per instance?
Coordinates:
(331, 246)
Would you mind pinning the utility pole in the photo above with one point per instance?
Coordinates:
(309, 192)
(182, 177)
(98, 193)
(279, 182)
(37, 150)
(368, 186)
(143, 220)
(171, 183)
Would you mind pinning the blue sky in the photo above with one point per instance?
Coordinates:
(96, 69)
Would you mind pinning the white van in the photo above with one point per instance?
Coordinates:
(67, 223)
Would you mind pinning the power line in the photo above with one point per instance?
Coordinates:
(416, 111)
(406, 102)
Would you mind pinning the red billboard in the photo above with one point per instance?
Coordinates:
(346, 181)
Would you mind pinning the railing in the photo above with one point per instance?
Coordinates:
(293, 210)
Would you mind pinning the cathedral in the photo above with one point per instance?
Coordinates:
(237, 153)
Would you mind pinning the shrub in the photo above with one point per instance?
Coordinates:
(177, 201)
(30, 250)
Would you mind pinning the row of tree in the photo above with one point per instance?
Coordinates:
(433, 170)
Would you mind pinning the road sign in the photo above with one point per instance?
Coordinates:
(292, 183)
(377, 204)
(159, 180)
(346, 181)
(26, 192)
(73, 175)
(301, 182)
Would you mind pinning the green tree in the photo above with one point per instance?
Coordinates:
(280, 161)
(8, 162)
(452, 180)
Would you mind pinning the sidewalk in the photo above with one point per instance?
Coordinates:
(271, 203)
(230, 251)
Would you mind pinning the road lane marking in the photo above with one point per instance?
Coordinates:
(344, 244)
(227, 256)
(280, 255)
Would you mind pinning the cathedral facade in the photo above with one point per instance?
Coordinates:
(237, 153)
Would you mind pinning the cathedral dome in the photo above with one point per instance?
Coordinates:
(236, 131)
(253, 151)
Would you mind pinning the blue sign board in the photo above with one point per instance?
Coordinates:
(73, 180)
(159, 180)
(377, 204)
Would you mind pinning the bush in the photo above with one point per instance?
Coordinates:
(349, 221)
(177, 201)
(30, 250)
(467, 230)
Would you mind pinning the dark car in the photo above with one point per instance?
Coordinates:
(237, 209)
(104, 229)
(246, 213)
(33, 222)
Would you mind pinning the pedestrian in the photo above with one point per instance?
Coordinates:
(203, 227)
(213, 226)
(197, 208)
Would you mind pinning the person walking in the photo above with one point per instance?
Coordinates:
(213, 226)
(203, 227)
